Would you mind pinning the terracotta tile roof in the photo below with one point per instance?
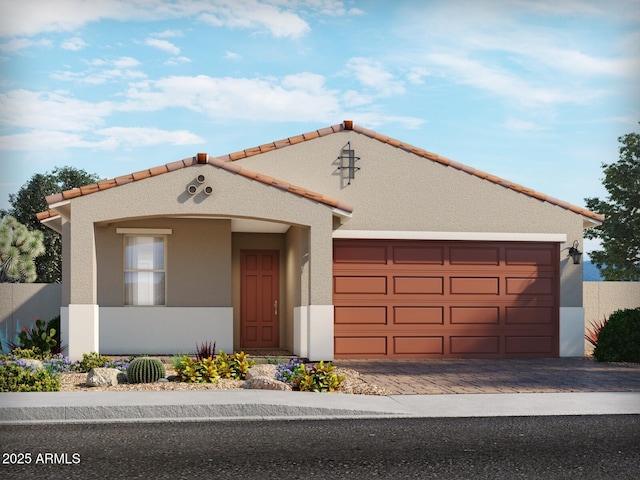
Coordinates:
(201, 158)
(46, 215)
(226, 162)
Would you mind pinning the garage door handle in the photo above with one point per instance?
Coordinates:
(275, 307)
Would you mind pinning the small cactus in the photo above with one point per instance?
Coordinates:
(145, 370)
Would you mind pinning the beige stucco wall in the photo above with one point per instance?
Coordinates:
(198, 261)
(604, 298)
(398, 191)
(165, 195)
(296, 278)
(22, 303)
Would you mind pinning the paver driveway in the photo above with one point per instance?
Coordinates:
(497, 376)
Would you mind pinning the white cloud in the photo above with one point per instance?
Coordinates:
(416, 75)
(124, 62)
(45, 140)
(146, 137)
(74, 44)
(301, 97)
(231, 55)
(507, 84)
(163, 45)
(372, 74)
(253, 14)
(50, 111)
(33, 17)
(168, 34)
(22, 43)
(122, 68)
(178, 61)
(105, 139)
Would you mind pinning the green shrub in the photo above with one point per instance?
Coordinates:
(319, 377)
(201, 371)
(619, 337)
(15, 378)
(235, 366)
(19, 352)
(91, 360)
(145, 370)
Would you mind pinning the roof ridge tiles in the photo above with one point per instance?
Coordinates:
(227, 162)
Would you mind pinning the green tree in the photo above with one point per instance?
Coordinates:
(620, 232)
(30, 200)
(19, 247)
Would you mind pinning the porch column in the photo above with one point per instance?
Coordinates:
(79, 315)
(320, 309)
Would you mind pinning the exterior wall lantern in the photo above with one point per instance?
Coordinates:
(348, 162)
(575, 253)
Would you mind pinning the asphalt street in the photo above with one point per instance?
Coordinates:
(542, 447)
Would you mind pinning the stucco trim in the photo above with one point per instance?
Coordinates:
(475, 236)
(144, 231)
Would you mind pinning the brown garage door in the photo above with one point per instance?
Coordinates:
(422, 299)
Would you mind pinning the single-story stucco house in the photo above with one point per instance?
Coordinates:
(346, 244)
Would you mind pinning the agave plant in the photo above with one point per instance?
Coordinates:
(594, 330)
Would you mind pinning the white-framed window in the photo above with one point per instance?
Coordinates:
(145, 269)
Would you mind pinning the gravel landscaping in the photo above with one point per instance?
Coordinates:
(75, 382)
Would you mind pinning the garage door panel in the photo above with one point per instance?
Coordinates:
(418, 255)
(475, 315)
(475, 345)
(418, 345)
(434, 299)
(475, 286)
(528, 256)
(355, 254)
(420, 285)
(370, 285)
(418, 315)
(375, 346)
(361, 315)
(527, 345)
(474, 256)
(529, 315)
(529, 286)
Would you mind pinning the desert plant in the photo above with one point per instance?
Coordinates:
(319, 377)
(190, 370)
(91, 360)
(286, 372)
(58, 363)
(619, 338)
(594, 330)
(17, 378)
(233, 366)
(119, 363)
(176, 360)
(206, 350)
(40, 338)
(19, 352)
(145, 370)
(19, 247)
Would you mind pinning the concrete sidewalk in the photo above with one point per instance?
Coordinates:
(225, 405)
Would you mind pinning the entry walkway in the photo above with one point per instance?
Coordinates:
(548, 375)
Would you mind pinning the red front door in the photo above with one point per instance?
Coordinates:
(259, 311)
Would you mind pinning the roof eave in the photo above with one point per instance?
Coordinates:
(54, 223)
(588, 222)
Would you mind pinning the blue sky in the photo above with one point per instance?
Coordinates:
(535, 91)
